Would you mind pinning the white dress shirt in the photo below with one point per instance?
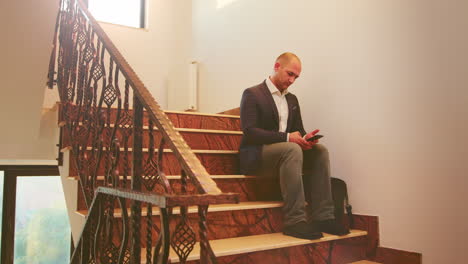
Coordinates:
(281, 105)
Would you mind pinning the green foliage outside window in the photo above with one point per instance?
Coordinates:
(42, 229)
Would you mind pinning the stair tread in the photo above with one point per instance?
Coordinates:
(191, 130)
(247, 244)
(213, 208)
(177, 177)
(196, 151)
(365, 262)
(214, 131)
(189, 113)
(200, 114)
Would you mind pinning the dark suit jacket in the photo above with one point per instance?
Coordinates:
(260, 124)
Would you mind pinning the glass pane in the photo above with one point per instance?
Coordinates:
(42, 229)
(1, 205)
(121, 12)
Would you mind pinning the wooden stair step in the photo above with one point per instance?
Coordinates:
(215, 161)
(185, 129)
(201, 120)
(213, 208)
(196, 151)
(195, 138)
(192, 119)
(249, 188)
(207, 131)
(199, 114)
(177, 177)
(224, 221)
(248, 244)
(365, 262)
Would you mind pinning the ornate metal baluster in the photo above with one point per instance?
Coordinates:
(109, 96)
(73, 60)
(126, 131)
(99, 216)
(161, 250)
(117, 120)
(206, 252)
(150, 173)
(109, 251)
(87, 123)
(162, 176)
(96, 116)
(136, 178)
(65, 53)
(149, 228)
(51, 73)
(91, 231)
(124, 253)
(183, 239)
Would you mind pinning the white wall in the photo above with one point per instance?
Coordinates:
(385, 81)
(27, 29)
(159, 54)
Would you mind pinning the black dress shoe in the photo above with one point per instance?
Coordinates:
(302, 230)
(330, 226)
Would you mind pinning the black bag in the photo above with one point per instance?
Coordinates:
(341, 201)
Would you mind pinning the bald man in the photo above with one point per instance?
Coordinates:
(274, 144)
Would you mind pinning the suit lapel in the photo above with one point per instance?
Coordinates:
(270, 100)
(292, 108)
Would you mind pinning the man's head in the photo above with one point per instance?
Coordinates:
(287, 70)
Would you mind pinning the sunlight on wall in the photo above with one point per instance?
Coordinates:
(224, 3)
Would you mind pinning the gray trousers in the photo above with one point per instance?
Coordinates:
(303, 176)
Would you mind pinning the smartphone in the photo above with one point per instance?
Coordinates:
(315, 137)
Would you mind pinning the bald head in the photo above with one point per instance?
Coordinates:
(287, 69)
(287, 57)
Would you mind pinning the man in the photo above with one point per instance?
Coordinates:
(275, 144)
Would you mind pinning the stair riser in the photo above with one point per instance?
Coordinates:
(204, 122)
(226, 224)
(195, 140)
(216, 164)
(187, 120)
(246, 188)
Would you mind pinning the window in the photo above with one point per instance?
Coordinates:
(129, 13)
(35, 227)
(42, 229)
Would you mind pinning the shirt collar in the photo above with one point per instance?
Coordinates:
(273, 88)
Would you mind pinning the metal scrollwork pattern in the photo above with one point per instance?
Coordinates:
(105, 137)
(183, 238)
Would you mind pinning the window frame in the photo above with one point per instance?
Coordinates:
(10, 175)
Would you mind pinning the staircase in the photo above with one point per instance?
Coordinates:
(250, 231)
(148, 186)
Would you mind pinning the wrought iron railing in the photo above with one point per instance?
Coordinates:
(102, 104)
(107, 239)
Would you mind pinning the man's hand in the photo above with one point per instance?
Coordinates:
(311, 134)
(297, 138)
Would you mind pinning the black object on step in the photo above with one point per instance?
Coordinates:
(341, 201)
